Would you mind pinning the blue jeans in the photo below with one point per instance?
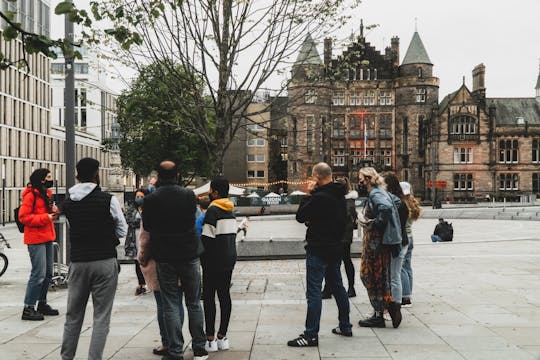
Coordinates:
(42, 258)
(189, 273)
(395, 274)
(436, 238)
(161, 322)
(406, 270)
(316, 267)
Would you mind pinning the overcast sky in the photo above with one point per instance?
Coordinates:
(458, 35)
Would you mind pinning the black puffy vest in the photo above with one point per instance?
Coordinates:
(92, 229)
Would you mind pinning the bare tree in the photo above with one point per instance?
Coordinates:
(237, 47)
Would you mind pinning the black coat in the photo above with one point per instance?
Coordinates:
(169, 216)
(324, 213)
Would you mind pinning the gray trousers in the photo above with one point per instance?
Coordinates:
(98, 278)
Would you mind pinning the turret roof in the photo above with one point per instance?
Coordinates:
(308, 54)
(416, 53)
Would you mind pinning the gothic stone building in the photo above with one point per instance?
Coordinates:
(366, 108)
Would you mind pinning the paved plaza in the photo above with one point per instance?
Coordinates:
(476, 298)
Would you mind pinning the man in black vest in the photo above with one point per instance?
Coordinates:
(169, 217)
(96, 223)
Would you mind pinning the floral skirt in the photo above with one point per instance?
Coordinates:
(375, 270)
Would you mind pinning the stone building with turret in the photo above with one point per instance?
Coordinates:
(363, 107)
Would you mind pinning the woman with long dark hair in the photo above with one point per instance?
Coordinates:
(38, 213)
(133, 219)
(396, 263)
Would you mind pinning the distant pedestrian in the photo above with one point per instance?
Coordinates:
(398, 253)
(380, 222)
(324, 213)
(351, 223)
(133, 218)
(406, 270)
(243, 226)
(218, 260)
(169, 216)
(96, 223)
(38, 214)
(443, 231)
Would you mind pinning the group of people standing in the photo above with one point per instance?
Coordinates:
(170, 253)
(173, 242)
(385, 269)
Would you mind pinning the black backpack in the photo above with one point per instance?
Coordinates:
(20, 225)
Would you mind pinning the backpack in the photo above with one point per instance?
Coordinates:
(20, 225)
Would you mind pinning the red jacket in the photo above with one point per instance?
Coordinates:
(38, 227)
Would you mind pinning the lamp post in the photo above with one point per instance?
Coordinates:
(116, 183)
(434, 110)
(69, 105)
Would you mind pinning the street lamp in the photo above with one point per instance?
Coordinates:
(115, 136)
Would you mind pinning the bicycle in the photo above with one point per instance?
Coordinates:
(3, 258)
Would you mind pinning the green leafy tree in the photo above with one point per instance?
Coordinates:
(154, 120)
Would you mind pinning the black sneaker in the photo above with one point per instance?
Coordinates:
(303, 341)
(351, 292)
(377, 321)
(46, 309)
(200, 355)
(338, 331)
(29, 313)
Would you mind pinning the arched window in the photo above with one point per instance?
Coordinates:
(420, 72)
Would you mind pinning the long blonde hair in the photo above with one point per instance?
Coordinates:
(374, 178)
(413, 205)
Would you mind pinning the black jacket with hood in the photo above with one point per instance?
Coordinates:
(324, 213)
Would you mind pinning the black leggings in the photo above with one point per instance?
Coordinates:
(220, 282)
(139, 273)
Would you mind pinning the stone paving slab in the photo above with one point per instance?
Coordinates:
(475, 298)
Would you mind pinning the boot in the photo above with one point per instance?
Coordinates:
(394, 309)
(46, 309)
(326, 294)
(351, 292)
(30, 313)
(376, 320)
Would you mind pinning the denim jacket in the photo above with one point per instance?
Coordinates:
(384, 206)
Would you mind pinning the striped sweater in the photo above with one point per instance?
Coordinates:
(219, 236)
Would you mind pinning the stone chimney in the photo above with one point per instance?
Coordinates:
(479, 85)
(395, 49)
(327, 51)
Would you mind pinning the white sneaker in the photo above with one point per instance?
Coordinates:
(211, 345)
(223, 344)
(200, 357)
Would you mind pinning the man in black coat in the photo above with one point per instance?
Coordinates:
(169, 217)
(324, 213)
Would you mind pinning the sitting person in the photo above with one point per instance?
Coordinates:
(443, 231)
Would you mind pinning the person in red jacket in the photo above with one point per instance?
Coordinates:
(38, 213)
